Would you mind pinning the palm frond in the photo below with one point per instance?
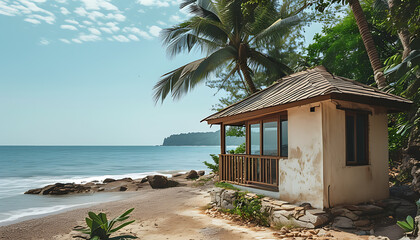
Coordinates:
(230, 14)
(380, 5)
(169, 81)
(210, 29)
(201, 8)
(181, 80)
(278, 28)
(269, 64)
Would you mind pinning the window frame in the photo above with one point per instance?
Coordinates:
(356, 114)
(278, 118)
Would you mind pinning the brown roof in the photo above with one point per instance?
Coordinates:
(311, 84)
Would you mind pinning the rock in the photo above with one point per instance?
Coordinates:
(362, 223)
(123, 188)
(404, 209)
(343, 222)
(177, 175)
(227, 205)
(108, 180)
(159, 181)
(192, 175)
(143, 180)
(306, 206)
(126, 179)
(370, 209)
(287, 207)
(316, 220)
(201, 173)
(34, 191)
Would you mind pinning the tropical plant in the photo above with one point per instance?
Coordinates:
(214, 167)
(250, 208)
(341, 50)
(407, 225)
(366, 35)
(99, 228)
(229, 38)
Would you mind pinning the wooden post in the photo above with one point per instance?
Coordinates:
(222, 161)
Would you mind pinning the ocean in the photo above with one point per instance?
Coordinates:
(27, 167)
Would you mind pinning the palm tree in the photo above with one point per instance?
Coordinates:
(230, 38)
(365, 33)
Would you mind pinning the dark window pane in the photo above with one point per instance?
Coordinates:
(255, 139)
(284, 139)
(361, 129)
(270, 139)
(350, 138)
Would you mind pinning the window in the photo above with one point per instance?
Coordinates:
(270, 144)
(356, 138)
(284, 139)
(255, 139)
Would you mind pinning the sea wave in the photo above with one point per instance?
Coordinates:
(29, 212)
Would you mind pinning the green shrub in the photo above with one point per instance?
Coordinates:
(225, 186)
(250, 209)
(408, 225)
(214, 167)
(99, 228)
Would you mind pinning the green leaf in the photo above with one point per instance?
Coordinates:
(121, 226)
(410, 221)
(95, 217)
(89, 222)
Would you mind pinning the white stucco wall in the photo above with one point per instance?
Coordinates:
(353, 184)
(301, 174)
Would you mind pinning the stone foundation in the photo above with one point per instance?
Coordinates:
(281, 213)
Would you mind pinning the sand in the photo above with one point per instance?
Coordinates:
(172, 213)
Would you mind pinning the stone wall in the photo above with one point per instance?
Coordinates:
(280, 212)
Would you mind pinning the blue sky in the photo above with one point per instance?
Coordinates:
(81, 72)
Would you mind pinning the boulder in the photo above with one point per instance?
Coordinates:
(201, 173)
(123, 188)
(127, 179)
(159, 181)
(343, 222)
(34, 191)
(143, 180)
(108, 180)
(192, 175)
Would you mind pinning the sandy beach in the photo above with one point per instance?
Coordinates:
(171, 213)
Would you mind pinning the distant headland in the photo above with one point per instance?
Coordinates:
(200, 139)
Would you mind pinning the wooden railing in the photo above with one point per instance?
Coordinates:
(253, 170)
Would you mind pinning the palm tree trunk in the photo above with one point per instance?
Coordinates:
(403, 34)
(368, 42)
(248, 79)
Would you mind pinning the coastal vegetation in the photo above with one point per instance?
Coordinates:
(100, 228)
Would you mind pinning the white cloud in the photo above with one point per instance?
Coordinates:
(68, 27)
(153, 3)
(175, 18)
(64, 11)
(44, 41)
(107, 30)
(89, 37)
(81, 11)
(121, 38)
(99, 4)
(94, 31)
(71, 21)
(8, 10)
(65, 40)
(133, 37)
(138, 32)
(118, 17)
(87, 22)
(113, 26)
(110, 39)
(31, 20)
(47, 19)
(61, 1)
(155, 30)
(161, 23)
(76, 40)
